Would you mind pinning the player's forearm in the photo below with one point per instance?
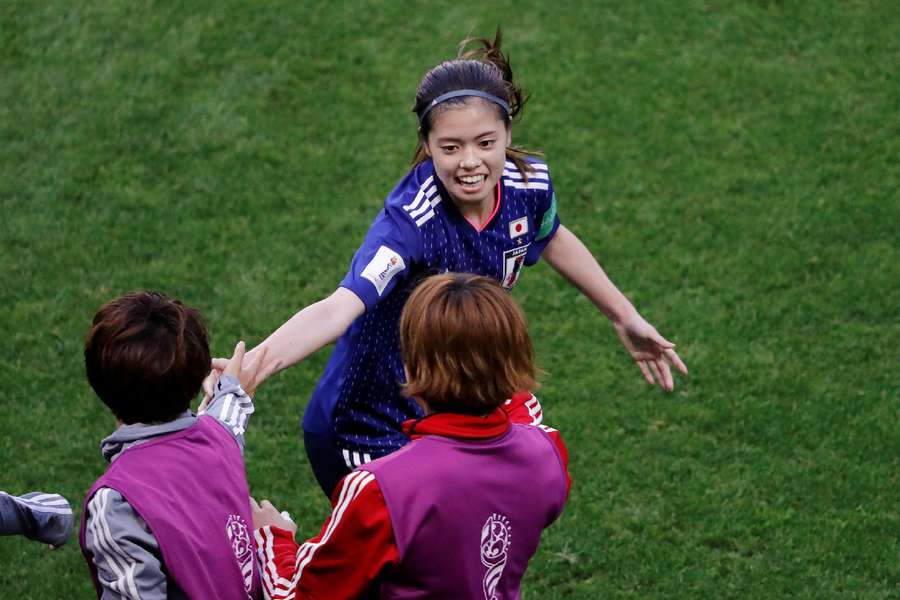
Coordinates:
(570, 258)
(13, 518)
(315, 326)
(38, 516)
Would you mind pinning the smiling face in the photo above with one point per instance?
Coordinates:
(467, 143)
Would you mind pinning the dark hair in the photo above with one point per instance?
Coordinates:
(146, 356)
(484, 68)
(465, 344)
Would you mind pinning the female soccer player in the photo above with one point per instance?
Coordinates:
(472, 203)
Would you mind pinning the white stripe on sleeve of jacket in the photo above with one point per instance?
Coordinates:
(118, 561)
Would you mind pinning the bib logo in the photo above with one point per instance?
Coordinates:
(239, 536)
(495, 538)
(381, 269)
(513, 261)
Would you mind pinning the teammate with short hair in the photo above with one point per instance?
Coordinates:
(459, 511)
(471, 203)
(170, 518)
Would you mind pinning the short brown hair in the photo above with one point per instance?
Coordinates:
(146, 356)
(465, 344)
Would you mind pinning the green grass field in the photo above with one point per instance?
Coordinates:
(734, 166)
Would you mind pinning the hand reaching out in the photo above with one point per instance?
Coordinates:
(250, 375)
(652, 352)
(264, 514)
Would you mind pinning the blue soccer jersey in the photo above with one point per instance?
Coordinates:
(419, 232)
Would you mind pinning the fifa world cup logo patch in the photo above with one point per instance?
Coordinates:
(495, 539)
(239, 536)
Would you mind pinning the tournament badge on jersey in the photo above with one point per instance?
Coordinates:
(495, 540)
(513, 260)
(239, 536)
(382, 268)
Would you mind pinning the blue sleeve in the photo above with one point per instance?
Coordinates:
(384, 259)
(546, 221)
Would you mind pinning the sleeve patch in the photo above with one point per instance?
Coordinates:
(547, 221)
(382, 268)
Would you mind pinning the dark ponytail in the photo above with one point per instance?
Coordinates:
(484, 68)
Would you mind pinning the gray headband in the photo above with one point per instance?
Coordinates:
(443, 97)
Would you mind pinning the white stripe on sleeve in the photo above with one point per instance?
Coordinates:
(352, 486)
(425, 218)
(539, 176)
(413, 213)
(273, 583)
(109, 550)
(423, 191)
(50, 503)
(534, 165)
(531, 185)
(535, 410)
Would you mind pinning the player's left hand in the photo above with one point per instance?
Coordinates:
(252, 372)
(652, 352)
(266, 515)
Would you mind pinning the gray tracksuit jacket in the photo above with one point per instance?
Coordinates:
(38, 516)
(128, 559)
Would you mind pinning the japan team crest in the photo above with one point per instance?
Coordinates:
(513, 261)
(495, 539)
(239, 536)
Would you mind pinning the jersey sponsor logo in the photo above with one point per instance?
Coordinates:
(382, 268)
(513, 261)
(495, 540)
(518, 227)
(239, 536)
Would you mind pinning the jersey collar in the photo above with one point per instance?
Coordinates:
(497, 199)
(457, 425)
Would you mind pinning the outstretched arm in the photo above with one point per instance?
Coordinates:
(38, 516)
(653, 353)
(315, 326)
